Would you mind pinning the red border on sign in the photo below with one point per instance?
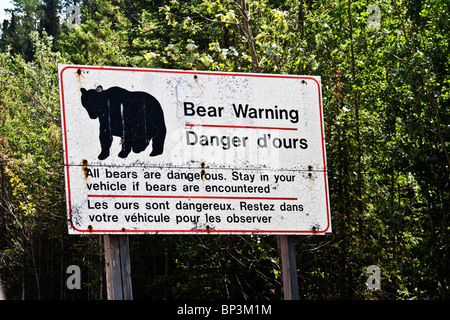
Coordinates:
(237, 127)
(210, 231)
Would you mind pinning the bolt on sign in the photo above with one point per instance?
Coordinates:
(150, 151)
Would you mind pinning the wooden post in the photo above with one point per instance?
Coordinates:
(288, 267)
(118, 268)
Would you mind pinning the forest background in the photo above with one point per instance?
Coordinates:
(385, 77)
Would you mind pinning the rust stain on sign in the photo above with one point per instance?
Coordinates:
(310, 176)
(85, 169)
(79, 74)
(203, 172)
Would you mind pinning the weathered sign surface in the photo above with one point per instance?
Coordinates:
(188, 152)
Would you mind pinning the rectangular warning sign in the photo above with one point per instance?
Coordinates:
(151, 151)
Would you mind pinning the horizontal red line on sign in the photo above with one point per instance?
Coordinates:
(237, 127)
(184, 197)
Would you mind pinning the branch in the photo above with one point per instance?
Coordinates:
(246, 28)
(215, 21)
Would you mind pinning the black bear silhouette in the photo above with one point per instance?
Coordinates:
(136, 117)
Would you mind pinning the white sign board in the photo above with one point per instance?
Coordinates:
(151, 151)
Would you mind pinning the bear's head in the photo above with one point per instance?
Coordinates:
(93, 101)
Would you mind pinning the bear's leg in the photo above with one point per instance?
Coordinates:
(104, 154)
(158, 142)
(139, 144)
(105, 141)
(126, 148)
(139, 133)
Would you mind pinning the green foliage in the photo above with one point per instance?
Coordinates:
(386, 104)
